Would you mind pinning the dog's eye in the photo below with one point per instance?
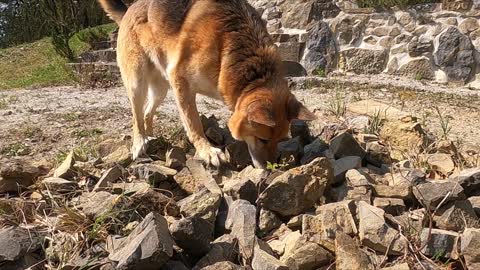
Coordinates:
(263, 141)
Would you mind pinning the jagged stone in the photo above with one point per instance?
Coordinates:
(110, 176)
(148, 246)
(402, 191)
(375, 233)
(193, 234)
(348, 254)
(322, 51)
(17, 242)
(59, 185)
(440, 243)
(202, 204)
(313, 150)
(456, 216)
(263, 258)
(329, 219)
(66, 169)
(432, 193)
(268, 221)
(470, 245)
(298, 189)
(242, 219)
(175, 158)
(306, 255)
(469, 179)
(390, 205)
(344, 145)
(341, 166)
(362, 61)
(222, 249)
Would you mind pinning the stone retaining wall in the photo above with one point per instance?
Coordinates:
(439, 42)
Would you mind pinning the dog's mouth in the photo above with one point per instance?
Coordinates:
(259, 157)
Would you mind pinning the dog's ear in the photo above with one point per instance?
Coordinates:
(297, 110)
(259, 112)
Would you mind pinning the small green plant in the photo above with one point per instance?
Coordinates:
(444, 124)
(375, 123)
(438, 255)
(319, 72)
(418, 77)
(275, 166)
(337, 104)
(31, 131)
(16, 149)
(84, 133)
(70, 116)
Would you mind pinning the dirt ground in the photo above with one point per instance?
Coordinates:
(46, 123)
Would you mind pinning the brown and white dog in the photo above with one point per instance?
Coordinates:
(217, 48)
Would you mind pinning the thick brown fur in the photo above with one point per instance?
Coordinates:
(218, 48)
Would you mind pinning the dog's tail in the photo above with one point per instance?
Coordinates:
(115, 9)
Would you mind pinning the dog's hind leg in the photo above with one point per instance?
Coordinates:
(157, 90)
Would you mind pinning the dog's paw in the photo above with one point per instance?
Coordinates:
(211, 155)
(139, 148)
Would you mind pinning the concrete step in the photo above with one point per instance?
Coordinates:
(96, 74)
(106, 55)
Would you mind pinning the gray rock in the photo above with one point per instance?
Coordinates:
(148, 246)
(349, 255)
(121, 156)
(193, 234)
(356, 178)
(391, 206)
(402, 191)
(454, 54)
(242, 188)
(66, 169)
(202, 204)
(16, 175)
(175, 158)
(432, 193)
(344, 145)
(329, 219)
(263, 258)
(322, 51)
(377, 154)
(17, 242)
(187, 181)
(456, 216)
(224, 266)
(470, 245)
(418, 48)
(299, 128)
(293, 69)
(469, 180)
(242, 217)
(440, 243)
(375, 233)
(152, 173)
(341, 166)
(417, 68)
(109, 177)
(238, 155)
(290, 51)
(468, 25)
(295, 223)
(174, 265)
(306, 256)
(59, 185)
(363, 61)
(223, 249)
(298, 189)
(253, 174)
(268, 221)
(97, 204)
(475, 201)
(290, 150)
(295, 14)
(313, 150)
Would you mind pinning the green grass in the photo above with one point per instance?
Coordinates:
(37, 64)
(33, 65)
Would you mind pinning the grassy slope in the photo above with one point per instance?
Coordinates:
(38, 64)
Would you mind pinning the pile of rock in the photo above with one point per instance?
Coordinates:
(436, 41)
(331, 202)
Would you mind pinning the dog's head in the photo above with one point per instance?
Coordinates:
(262, 119)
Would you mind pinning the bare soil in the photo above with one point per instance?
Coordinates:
(44, 123)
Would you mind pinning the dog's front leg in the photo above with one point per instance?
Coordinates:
(185, 99)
